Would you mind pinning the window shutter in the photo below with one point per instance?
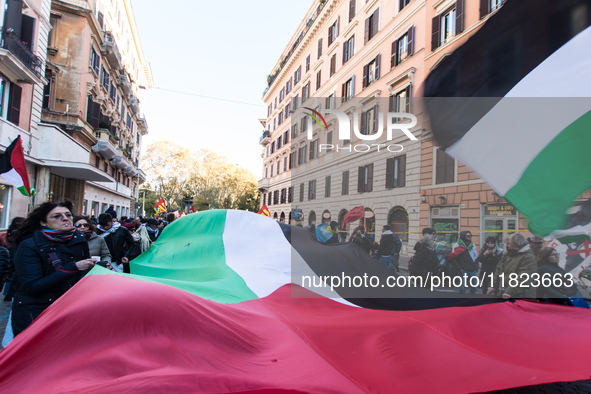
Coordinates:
(343, 90)
(329, 138)
(353, 85)
(329, 38)
(345, 186)
(96, 115)
(370, 178)
(351, 10)
(344, 52)
(389, 173)
(459, 16)
(484, 8)
(14, 104)
(367, 27)
(374, 125)
(435, 33)
(402, 171)
(394, 56)
(408, 96)
(363, 128)
(375, 19)
(319, 48)
(301, 192)
(411, 43)
(365, 71)
(378, 59)
(338, 25)
(311, 153)
(360, 180)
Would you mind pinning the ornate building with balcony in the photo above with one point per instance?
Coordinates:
(96, 75)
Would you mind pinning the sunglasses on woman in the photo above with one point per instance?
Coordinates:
(78, 225)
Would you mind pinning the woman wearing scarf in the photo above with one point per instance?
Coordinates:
(464, 256)
(96, 245)
(51, 256)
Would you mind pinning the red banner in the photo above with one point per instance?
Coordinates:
(354, 214)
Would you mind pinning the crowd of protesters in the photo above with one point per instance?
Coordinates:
(48, 252)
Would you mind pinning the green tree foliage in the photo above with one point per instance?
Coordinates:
(210, 180)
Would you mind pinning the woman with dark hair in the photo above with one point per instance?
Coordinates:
(51, 256)
(489, 257)
(548, 268)
(360, 238)
(96, 245)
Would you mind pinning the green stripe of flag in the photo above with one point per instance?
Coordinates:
(556, 176)
(190, 255)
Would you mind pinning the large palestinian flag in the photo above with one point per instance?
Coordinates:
(14, 169)
(514, 104)
(225, 318)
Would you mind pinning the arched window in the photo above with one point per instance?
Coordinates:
(398, 221)
(275, 216)
(282, 217)
(343, 232)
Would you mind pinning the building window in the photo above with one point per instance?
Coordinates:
(313, 149)
(371, 71)
(327, 186)
(269, 109)
(97, 161)
(318, 79)
(294, 130)
(444, 167)
(312, 190)
(348, 49)
(292, 160)
(403, 3)
(105, 79)
(371, 25)
(348, 89)
(369, 121)
(272, 167)
(365, 180)
(488, 6)
(112, 92)
(306, 92)
(308, 63)
(304, 124)
(333, 65)
(288, 86)
(396, 172)
(400, 102)
(297, 75)
(333, 32)
(330, 102)
(352, 9)
(47, 89)
(301, 192)
(295, 102)
(447, 25)
(284, 163)
(345, 185)
(319, 48)
(290, 194)
(283, 195)
(329, 138)
(402, 48)
(280, 118)
(302, 155)
(281, 94)
(285, 137)
(276, 197)
(95, 61)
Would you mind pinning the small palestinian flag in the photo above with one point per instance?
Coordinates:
(160, 206)
(264, 211)
(514, 104)
(14, 169)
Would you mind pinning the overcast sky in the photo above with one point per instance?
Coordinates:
(223, 49)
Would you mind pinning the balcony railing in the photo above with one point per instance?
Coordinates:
(265, 138)
(14, 45)
(110, 50)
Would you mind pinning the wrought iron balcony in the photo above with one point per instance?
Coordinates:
(13, 44)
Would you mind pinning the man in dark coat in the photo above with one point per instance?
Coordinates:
(389, 249)
(111, 211)
(118, 239)
(153, 228)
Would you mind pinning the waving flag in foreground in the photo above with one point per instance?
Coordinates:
(229, 320)
(354, 214)
(14, 169)
(264, 211)
(514, 104)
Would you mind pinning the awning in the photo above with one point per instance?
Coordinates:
(77, 170)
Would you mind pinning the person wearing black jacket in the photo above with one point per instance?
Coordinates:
(489, 256)
(118, 239)
(425, 261)
(389, 249)
(554, 284)
(51, 257)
